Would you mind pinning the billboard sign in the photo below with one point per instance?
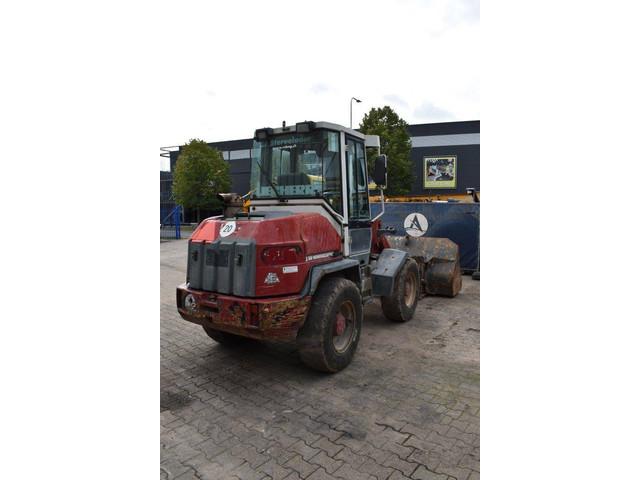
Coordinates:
(440, 172)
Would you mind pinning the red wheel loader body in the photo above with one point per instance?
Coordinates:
(286, 249)
(262, 272)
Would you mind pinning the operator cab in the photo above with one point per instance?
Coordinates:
(321, 167)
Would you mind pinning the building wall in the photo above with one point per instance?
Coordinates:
(468, 169)
(461, 139)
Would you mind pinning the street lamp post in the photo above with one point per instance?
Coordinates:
(351, 110)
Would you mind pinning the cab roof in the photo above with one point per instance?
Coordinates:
(308, 126)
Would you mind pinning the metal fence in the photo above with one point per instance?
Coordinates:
(167, 204)
(170, 226)
(171, 215)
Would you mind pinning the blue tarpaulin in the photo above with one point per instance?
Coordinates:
(459, 222)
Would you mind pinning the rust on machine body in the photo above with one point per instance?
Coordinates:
(440, 259)
(264, 319)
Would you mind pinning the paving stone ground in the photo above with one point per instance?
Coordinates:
(408, 406)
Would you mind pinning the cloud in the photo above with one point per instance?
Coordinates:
(451, 12)
(396, 100)
(421, 70)
(462, 11)
(432, 113)
(319, 88)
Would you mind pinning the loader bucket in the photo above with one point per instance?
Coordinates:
(440, 258)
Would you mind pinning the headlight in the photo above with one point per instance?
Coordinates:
(190, 302)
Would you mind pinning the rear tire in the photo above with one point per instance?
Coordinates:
(401, 304)
(224, 338)
(329, 337)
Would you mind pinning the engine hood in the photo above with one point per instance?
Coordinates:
(231, 257)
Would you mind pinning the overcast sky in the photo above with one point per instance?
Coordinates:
(233, 67)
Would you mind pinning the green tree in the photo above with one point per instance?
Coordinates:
(395, 142)
(200, 174)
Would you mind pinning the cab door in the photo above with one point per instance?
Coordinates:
(359, 214)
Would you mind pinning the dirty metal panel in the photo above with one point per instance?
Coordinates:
(459, 222)
(389, 263)
(244, 266)
(224, 266)
(194, 264)
(209, 277)
(281, 320)
(360, 239)
(443, 278)
(264, 319)
(319, 271)
(441, 259)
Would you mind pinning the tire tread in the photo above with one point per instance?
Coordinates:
(393, 305)
(311, 338)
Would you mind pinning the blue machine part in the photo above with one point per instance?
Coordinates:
(459, 222)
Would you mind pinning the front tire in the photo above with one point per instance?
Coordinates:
(401, 304)
(329, 337)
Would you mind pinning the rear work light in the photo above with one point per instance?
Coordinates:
(263, 133)
(282, 255)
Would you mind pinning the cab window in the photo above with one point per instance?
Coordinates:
(357, 181)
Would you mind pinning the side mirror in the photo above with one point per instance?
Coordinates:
(380, 171)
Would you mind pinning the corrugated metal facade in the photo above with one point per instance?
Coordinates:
(459, 139)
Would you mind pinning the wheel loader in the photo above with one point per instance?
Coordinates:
(299, 263)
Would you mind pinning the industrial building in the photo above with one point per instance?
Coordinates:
(446, 162)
